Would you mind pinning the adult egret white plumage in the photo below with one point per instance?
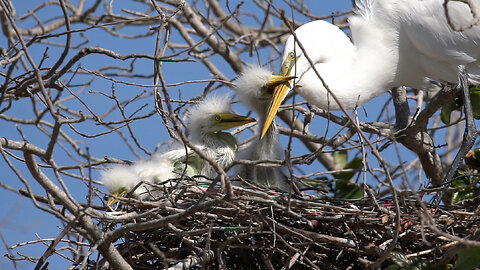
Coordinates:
(206, 123)
(395, 43)
(255, 87)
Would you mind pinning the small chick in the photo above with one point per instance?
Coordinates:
(255, 88)
(206, 123)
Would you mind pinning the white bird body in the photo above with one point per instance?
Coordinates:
(223, 151)
(395, 43)
(427, 45)
(121, 179)
(252, 88)
(206, 122)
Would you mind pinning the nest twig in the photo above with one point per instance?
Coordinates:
(255, 230)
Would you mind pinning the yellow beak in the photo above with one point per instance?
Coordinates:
(278, 80)
(230, 120)
(279, 94)
(111, 200)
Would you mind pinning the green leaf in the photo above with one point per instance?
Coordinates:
(341, 157)
(355, 163)
(460, 179)
(464, 184)
(446, 110)
(400, 259)
(474, 88)
(463, 194)
(477, 153)
(475, 100)
(345, 189)
(468, 258)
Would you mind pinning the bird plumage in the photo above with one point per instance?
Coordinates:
(254, 87)
(122, 179)
(395, 43)
(206, 121)
(344, 68)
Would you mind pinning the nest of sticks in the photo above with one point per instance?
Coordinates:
(193, 225)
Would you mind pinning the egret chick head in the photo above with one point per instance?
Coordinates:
(120, 180)
(213, 115)
(252, 88)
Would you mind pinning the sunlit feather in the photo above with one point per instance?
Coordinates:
(207, 120)
(395, 43)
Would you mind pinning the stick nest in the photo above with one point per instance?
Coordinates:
(189, 226)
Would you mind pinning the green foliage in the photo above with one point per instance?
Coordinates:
(465, 189)
(402, 262)
(446, 111)
(468, 258)
(453, 106)
(341, 157)
(465, 180)
(475, 100)
(354, 164)
(344, 188)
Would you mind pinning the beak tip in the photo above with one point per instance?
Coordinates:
(265, 129)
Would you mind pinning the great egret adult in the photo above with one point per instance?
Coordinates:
(255, 87)
(395, 43)
(206, 122)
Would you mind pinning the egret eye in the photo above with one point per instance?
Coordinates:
(291, 55)
(217, 118)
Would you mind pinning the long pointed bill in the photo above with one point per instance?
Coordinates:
(111, 200)
(279, 95)
(230, 120)
(277, 80)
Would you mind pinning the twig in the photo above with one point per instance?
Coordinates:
(468, 136)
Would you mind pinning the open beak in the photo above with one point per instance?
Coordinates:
(278, 80)
(111, 200)
(282, 87)
(230, 120)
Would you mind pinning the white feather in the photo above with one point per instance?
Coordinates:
(395, 43)
(201, 117)
(169, 165)
(364, 8)
(250, 88)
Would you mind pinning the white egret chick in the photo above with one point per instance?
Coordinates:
(206, 122)
(255, 87)
(122, 179)
(395, 43)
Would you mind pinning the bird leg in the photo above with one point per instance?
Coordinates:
(468, 136)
